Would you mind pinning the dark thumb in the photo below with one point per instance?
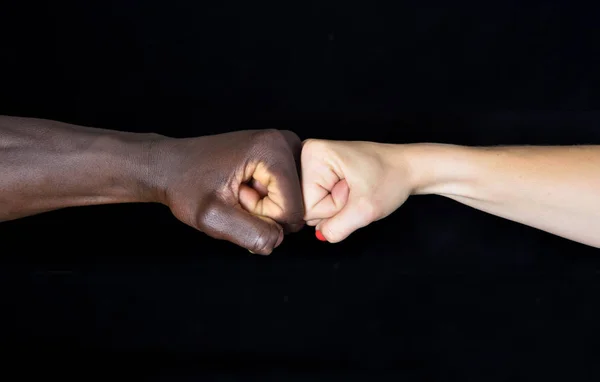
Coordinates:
(259, 235)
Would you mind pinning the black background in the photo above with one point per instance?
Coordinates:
(436, 291)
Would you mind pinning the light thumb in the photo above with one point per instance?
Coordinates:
(354, 215)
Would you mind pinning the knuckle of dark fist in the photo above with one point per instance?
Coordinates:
(277, 150)
(294, 227)
(292, 138)
(271, 139)
(294, 217)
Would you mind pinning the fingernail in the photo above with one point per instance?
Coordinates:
(251, 252)
(320, 236)
(280, 239)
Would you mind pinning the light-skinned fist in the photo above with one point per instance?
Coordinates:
(349, 184)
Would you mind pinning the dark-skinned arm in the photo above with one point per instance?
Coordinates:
(47, 165)
(242, 186)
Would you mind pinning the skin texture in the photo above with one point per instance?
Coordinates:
(348, 185)
(242, 187)
(248, 192)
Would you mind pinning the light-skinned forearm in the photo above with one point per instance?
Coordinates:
(47, 165)
(555, 189)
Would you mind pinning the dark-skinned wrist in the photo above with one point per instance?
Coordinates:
(160, 160)
(137, 164)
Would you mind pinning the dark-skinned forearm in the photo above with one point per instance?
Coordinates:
(47, 165)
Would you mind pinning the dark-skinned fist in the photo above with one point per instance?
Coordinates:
(242, 186)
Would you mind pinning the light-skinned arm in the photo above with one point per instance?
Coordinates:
(348, 185)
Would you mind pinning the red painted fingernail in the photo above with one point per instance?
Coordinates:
(320, 236)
